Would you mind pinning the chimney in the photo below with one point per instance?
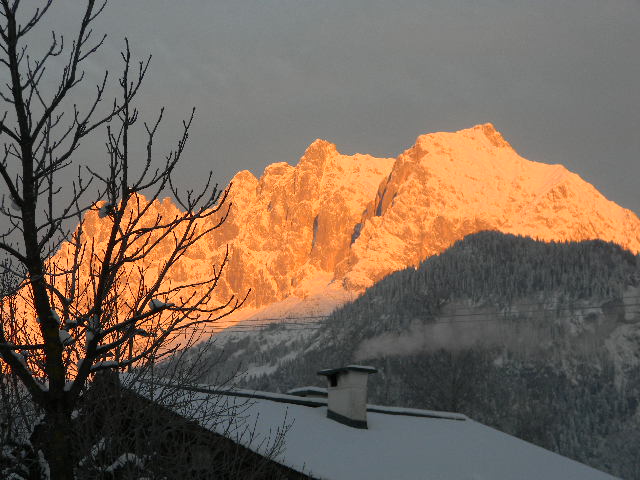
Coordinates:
(347, 394)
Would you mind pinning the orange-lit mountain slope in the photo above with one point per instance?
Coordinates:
(334, 224)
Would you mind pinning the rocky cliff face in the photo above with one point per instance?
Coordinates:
(335, 224)
(449, 185)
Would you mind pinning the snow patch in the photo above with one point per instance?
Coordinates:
(45, 471)
(124, 459)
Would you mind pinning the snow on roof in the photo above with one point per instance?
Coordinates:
(399, 443)
(309, 390)
(415, 412)
(353, 368)
(253, 395)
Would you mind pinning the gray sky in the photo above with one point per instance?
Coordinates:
(559, 78)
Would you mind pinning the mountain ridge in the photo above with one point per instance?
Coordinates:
(327, 228)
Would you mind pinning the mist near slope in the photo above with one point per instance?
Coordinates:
(428, 337)
(528, 332)
(461, 333)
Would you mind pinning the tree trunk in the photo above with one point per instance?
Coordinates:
(54, 437)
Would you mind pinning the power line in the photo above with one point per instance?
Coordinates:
(633, 297)
(556, 309)
(287, 324)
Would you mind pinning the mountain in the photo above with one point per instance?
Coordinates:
(315, 235)
(538, 339)
(347, 221)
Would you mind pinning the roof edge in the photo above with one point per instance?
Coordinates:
(348, 368)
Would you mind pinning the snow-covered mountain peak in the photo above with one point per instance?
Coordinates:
(334, 224)
(244, 176)
(319, 151)
(492, 135)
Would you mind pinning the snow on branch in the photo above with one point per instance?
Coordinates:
(106, 364)
(65, 337)
(157, 304)
(106, 210)
(124, 459)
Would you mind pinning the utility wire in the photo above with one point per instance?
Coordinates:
(306, 323)
(555, 309)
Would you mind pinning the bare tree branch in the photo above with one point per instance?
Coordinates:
(80, 304)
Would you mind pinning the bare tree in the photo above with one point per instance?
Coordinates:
(97, 309)
(157, 423)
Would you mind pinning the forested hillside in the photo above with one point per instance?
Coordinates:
(541, 340)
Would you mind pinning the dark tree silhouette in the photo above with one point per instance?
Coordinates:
(62, 323)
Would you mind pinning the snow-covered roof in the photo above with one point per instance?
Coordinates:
(309, 390)
(348, 368)
(398, 444)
